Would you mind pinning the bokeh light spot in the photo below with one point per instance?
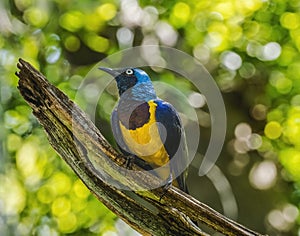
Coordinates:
(231, 60)
(196, 100)
(288, 53)
(80, 189)
(263, 175)
(213, 39)
(202, 53)
(180, 14)
(259, 112)
(226, 9)
(52, 54)
(275, 115)
(271, 51)
(166, 33)
(290, 213)
(23, 4)
(290, 159)
(247, 70)
(72, 20)
(292, 127)
(46, 194)
(240, 146)
(96, 43)
(266, 146)
(283, 219)
(284, 85)
(296, 100)
(61, 206)
(12, 195)
(247, 7)
(125, 37)
(273, 130)
(293, 70)
(61, 182)
(253, 48)
(275, 218)
(36, 16)
(30, 47)
(93, 22)
(107, 11)
(14, 142)
(254, 141)
(242, 131)
(26, 161)
(67, 222)
(72, 43)
(290, 20)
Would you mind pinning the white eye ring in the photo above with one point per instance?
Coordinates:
(129, 72)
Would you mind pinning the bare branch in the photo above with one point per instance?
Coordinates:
(85, 150)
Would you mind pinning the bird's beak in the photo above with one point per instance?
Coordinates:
(110, 71)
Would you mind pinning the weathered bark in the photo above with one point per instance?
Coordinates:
(85, 150)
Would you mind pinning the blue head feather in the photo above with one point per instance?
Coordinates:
(143, 90)
(141, 75)
(133, 84)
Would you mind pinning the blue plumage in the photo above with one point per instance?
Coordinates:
(175, 142)
(148, 127)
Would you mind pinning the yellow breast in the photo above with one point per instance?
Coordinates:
(145, 141)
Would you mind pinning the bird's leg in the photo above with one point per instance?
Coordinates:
(120, 158)
(166, 186)
(130, 159)
(127, 163)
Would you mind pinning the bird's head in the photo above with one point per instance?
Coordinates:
(133, 80)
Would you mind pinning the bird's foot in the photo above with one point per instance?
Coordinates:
(127, 163)
(133, 159)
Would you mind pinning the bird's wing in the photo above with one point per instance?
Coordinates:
(115, 126)
(172, 133)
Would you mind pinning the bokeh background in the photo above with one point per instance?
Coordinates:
(251, 48)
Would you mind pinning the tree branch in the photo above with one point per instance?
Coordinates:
(85, 150)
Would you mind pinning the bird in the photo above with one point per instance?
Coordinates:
(148, 128)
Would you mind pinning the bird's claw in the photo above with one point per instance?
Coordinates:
(128, 162)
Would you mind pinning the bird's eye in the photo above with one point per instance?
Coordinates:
(129, 72)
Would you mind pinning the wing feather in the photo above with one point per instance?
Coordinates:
(172, 133)
(115, 126)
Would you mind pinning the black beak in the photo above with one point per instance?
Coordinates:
(110, 71)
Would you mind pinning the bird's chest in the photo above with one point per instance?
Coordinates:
(141, 135)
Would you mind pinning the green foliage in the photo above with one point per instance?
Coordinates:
(250, 47)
